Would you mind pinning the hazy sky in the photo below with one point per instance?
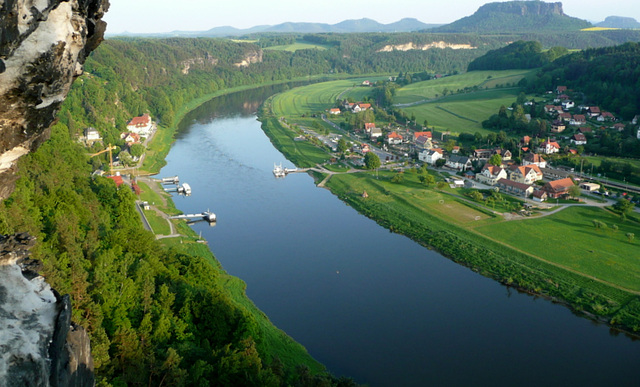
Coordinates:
(200, 15)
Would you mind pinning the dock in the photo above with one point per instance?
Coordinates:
(206, 215)
(184, 189)
(279, 171)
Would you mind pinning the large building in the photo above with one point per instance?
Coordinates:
(140, 125)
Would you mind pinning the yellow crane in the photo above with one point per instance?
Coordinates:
(109, 149)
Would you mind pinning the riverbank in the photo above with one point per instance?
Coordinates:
(395, 209)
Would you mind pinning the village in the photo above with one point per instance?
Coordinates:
(528, 176)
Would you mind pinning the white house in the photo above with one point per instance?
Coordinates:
(579, 139)
(460, 163)
(394, 138)
(91, 134)
(527, 174)
(491, 174)
(430, 156)
(375, 132)
(534, 159)
(549, 147)
(140, 125)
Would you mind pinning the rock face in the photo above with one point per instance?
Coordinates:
(39, 346)
(43, 44)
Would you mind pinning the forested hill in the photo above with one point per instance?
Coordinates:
(516, 16)
(518, 55)
(608, 77)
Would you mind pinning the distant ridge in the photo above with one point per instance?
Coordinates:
(516, 16)
(619, 22)
(347, 26)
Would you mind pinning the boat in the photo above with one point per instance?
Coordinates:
(278, 171)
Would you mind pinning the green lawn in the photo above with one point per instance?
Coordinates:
(569, 238)
(463, 113)
(430, 89)
(597, 160)
(158, 224)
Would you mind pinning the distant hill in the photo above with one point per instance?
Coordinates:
(347, 26)
(619, 22)
(516, 16)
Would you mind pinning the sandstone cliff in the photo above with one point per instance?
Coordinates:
(43, 44)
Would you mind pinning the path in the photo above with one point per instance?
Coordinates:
(153, 185)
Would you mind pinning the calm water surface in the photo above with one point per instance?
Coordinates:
(367, 303)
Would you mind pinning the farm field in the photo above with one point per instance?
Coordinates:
(433, 88)
(569, 238)
(597, 160)
(463, 113)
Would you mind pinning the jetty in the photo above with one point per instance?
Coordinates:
(279, 171)
(184, 189)
(171, 180)
(206, 215)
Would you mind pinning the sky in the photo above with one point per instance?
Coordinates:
(150, 16)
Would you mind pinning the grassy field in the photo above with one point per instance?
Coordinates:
(298, 45)
(430, 89)
(158, 224)
(597, 160)
(569, 238)
(463, 113)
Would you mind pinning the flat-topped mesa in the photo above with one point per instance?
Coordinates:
(43, 44)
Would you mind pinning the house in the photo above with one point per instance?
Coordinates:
(591, 187)
(366, 83)
(539, 195)
(565, 117)
(424, 142)
(534, 159)
(130, 138)
(140, 125)
(619, 127)
(594, 111)
(482, 154)
(578, 119)
(527, 174)
(368, 126)
(504, 153)
(558, 126)
(606, 116)
(579, 139)
(455, 149)
(556, 174)
(566, 105)
(334, 111)
(558, 188)
(460, 163)
(515, 188)
(91, 134)
(549, 147)
(490, 174)
(584, 130)
(469, 175)
(430, 156)
(561, 89)
(638, 134)
(117, 179)
(419, 134)
(394, 138)
(525, 140)
(360, 107)
(375, 133)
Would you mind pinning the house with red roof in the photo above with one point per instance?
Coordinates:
(141, 125)
(368, 126)
(558, 188)
(534, 159)
(578, 119)
(490, 174)
(394, 138)
(561, 89)
(619, 127)
(526, 174)
(548, 147)
(418, 134)
(606, 116)
(594, 111)
(334, 111)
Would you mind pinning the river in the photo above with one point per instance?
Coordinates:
(367, 303)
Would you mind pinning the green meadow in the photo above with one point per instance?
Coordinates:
(298, 45)
(463, 113)
(434, 88)
(569, 238)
